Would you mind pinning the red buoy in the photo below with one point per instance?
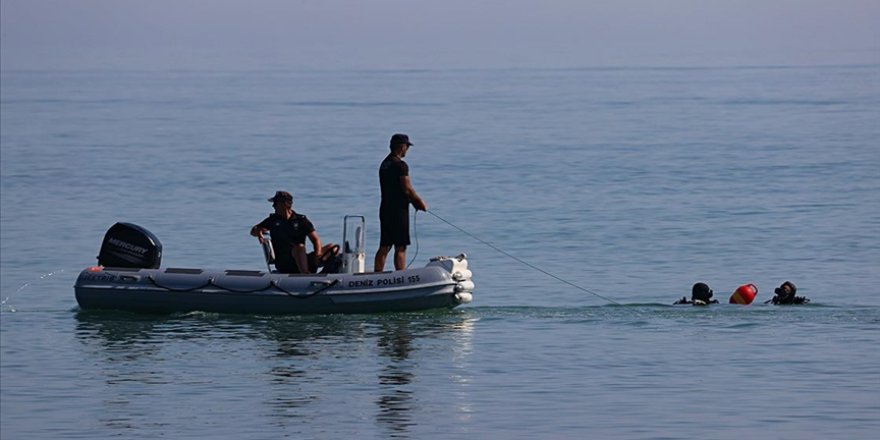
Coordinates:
(744, 294)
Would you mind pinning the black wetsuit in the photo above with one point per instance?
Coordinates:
(394, 209)
(286, 234)
(791, 299)
(695, 302)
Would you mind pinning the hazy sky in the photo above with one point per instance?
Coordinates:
(434, 33)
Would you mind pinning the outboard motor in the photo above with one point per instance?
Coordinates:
(129, 245)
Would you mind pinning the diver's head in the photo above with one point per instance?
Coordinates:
(701, 292)
(786, 290)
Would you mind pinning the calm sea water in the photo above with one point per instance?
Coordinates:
(631, 183)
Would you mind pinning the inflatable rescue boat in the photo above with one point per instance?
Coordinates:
(128, 277)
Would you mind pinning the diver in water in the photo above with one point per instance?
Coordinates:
(701, 295)
(785, 294)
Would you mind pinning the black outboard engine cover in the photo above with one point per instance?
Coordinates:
(129, 245)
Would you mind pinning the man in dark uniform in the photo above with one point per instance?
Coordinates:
(397, 194)
(289, 231)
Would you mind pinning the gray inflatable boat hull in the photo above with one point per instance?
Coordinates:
(444, 283)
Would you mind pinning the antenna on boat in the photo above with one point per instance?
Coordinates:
(501, 251)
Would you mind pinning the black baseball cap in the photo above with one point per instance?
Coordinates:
(400, 138)
(281, 196)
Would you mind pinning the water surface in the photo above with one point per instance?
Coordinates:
(632, 183)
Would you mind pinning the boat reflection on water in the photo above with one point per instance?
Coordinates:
(352, 369)
(400, 346)
(396, 396)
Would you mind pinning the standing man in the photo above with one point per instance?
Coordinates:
(397, 194)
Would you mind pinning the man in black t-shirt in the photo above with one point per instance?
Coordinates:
(289, 231)
(397, 194)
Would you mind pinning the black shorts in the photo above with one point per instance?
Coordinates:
(394, 224)
(290, 266)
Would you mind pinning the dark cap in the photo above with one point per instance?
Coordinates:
(281, 196)
(400, 138)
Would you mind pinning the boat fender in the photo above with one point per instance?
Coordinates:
(744, 294)
(451, 264)
(462, 275)
(464, 297)
(465, 286)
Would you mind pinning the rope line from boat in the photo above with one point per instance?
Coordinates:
(416, 233)
(521, 261)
